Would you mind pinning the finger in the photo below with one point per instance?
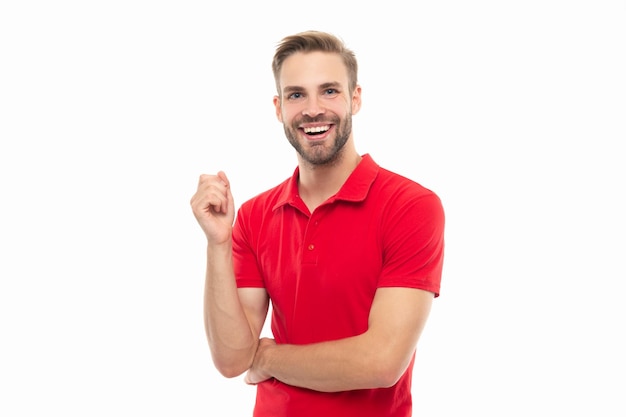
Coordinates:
(248, 380)
(213, 191)
(208, 201)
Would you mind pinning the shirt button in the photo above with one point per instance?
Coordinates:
(311, 246)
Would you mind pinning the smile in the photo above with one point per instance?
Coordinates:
(316, 129)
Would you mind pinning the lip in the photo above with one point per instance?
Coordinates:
(318, 136)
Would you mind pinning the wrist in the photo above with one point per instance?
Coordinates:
(220, 251)
(265, 354)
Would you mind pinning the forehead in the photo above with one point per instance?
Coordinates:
(312, 69)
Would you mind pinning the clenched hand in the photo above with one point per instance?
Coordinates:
(214, 208)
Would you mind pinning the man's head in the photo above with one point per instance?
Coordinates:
(317, 95)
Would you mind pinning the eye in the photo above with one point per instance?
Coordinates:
(330, 91)
(294, 96)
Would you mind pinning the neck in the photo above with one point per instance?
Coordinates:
(317, 183)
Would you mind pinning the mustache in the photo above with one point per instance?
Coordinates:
(317, 119)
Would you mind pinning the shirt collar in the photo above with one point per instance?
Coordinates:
(355, 188)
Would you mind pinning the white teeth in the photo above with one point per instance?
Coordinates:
(317, 129)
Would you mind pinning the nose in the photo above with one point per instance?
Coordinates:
(313, 107)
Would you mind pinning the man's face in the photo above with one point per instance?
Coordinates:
(315, 105)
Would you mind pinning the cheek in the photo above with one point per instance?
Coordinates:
(288, 114)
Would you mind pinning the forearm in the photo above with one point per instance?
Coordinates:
(376, 358)
(228, 331)
(358, 362)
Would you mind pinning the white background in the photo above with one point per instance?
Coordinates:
(513, 112)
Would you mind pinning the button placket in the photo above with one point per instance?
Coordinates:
(310, 253)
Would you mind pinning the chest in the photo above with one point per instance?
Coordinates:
(322, 270)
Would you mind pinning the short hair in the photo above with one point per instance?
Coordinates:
(313, 41)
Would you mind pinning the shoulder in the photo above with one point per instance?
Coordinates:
(397, 187)
(266, 201)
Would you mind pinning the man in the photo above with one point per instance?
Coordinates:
(349, 254)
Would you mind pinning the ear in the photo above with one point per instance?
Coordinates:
(279, 113)
(356, 100)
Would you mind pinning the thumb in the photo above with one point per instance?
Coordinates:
(224, 178)
(229, 195)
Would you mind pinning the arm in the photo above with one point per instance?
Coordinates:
(374, 359)
(233, 318)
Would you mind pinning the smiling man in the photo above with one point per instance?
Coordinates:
(349, 254)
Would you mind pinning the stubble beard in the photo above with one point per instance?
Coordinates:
(319, 154)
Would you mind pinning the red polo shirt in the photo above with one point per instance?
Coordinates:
(321, 271)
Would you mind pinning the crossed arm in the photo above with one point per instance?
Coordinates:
(374, 359)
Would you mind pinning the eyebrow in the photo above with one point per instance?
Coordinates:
(290, 89)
